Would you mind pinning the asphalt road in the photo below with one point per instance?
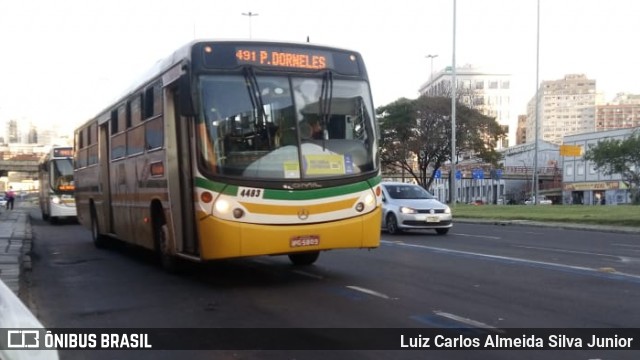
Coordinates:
(477, 277)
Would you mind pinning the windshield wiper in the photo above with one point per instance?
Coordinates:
(326, 95)
(256, 101)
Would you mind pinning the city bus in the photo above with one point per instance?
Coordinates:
(57, 188)
(210, 155)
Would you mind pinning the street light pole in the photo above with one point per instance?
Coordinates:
(430, 56)
(452, 174)
(250, 15)
(534, 186)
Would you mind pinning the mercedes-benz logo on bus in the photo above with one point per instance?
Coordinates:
(303, 214)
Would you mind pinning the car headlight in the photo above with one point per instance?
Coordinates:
(447, 210)
(407, 210)
(55, 200)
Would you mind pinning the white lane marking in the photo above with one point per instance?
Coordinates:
(479, 236)
(513, 259)
(467, 321)
(308, 274)
(625, 259)
(370, 292)
(565, 251)
(633, 247)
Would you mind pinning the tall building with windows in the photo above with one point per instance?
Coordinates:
(488, 92)
(623, 112)
(521, 131)
(13, 135)
(567, 106)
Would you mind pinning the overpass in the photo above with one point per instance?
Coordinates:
(19, 165)
(23, 163)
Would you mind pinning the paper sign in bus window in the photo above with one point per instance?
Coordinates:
(291, 170)
(321, 164)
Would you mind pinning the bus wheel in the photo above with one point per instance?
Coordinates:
(306, 258)
(99, 240)
(167, 260)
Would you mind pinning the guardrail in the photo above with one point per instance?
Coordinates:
(15, 315)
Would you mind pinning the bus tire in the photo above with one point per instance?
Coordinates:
(99, 240)
(168, 261)
(305, 258)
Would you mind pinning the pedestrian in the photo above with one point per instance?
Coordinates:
(10, 195)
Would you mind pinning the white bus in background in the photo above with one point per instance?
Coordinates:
(57, 188)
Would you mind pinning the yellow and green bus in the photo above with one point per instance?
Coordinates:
(211, 155)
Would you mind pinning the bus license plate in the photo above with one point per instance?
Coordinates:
(306, 240)
(433, 219)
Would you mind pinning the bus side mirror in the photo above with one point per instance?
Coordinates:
(185, 102)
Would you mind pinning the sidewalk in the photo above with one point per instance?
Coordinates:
(15, 243)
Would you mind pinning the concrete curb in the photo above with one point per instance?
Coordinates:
(557, 225)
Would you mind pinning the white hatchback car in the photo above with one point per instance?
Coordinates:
(410, 207)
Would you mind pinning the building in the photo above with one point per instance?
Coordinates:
(518, 165)
(488, 92)
(521, 130)
(567, 106)
(623, 112)
(582, 184)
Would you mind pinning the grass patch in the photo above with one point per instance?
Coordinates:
(622, 215)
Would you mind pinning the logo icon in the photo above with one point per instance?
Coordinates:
(23, 338)
(303, 214)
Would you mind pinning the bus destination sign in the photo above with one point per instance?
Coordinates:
(63, 152)
(230, 55)
(287, 58)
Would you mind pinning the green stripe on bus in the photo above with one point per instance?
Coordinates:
(313, 194)
(209, 185)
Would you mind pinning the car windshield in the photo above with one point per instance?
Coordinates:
(408, 192)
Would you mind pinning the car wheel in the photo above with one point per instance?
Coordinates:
(442, 231)
(392, 225)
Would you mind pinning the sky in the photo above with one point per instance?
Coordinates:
(64, 61)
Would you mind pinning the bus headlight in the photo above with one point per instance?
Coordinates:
(55, 199)
(222, 206)
(369, 200)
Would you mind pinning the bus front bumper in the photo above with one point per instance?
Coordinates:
(220, 239)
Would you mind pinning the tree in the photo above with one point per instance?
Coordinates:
(616, 156)
(421, 129)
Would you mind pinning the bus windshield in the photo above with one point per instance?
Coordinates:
(285, 127)
(62, 175)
